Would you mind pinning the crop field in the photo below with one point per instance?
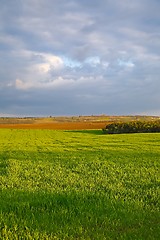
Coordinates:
(79, 185)
(68, 123)
(57, 125)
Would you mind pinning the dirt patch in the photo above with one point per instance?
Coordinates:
(58, 126)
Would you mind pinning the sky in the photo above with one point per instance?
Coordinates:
(79, 57)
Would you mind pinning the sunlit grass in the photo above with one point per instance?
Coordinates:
(79, 185)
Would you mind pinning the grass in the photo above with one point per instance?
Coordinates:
(79, 185)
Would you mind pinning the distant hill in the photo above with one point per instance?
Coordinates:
(92, 118)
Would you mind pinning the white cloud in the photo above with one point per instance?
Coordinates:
(52, 60)
(47, 62)
(36, 73)
(57, 83)
(19, 84)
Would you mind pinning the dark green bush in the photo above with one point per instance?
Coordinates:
(132, 127)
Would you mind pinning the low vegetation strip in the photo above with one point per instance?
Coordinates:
(79, 185)
(132, 127)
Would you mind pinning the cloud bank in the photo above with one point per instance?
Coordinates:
(79, 57)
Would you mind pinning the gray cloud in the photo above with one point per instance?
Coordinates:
(79, 57)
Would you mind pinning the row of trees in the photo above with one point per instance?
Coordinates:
(133, 127)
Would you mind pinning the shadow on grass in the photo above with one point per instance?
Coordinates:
(94, 132)
(73, 216)
(3, 163)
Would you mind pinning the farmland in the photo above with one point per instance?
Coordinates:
(68, 123)
(79, 184)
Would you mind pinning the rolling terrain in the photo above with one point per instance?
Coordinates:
(67, 123)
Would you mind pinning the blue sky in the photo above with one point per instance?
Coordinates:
(79, 57)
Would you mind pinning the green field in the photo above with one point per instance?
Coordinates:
(79, 185)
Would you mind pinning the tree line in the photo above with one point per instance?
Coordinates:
(132, 127)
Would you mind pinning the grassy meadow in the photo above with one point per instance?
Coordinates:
(79, 185)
